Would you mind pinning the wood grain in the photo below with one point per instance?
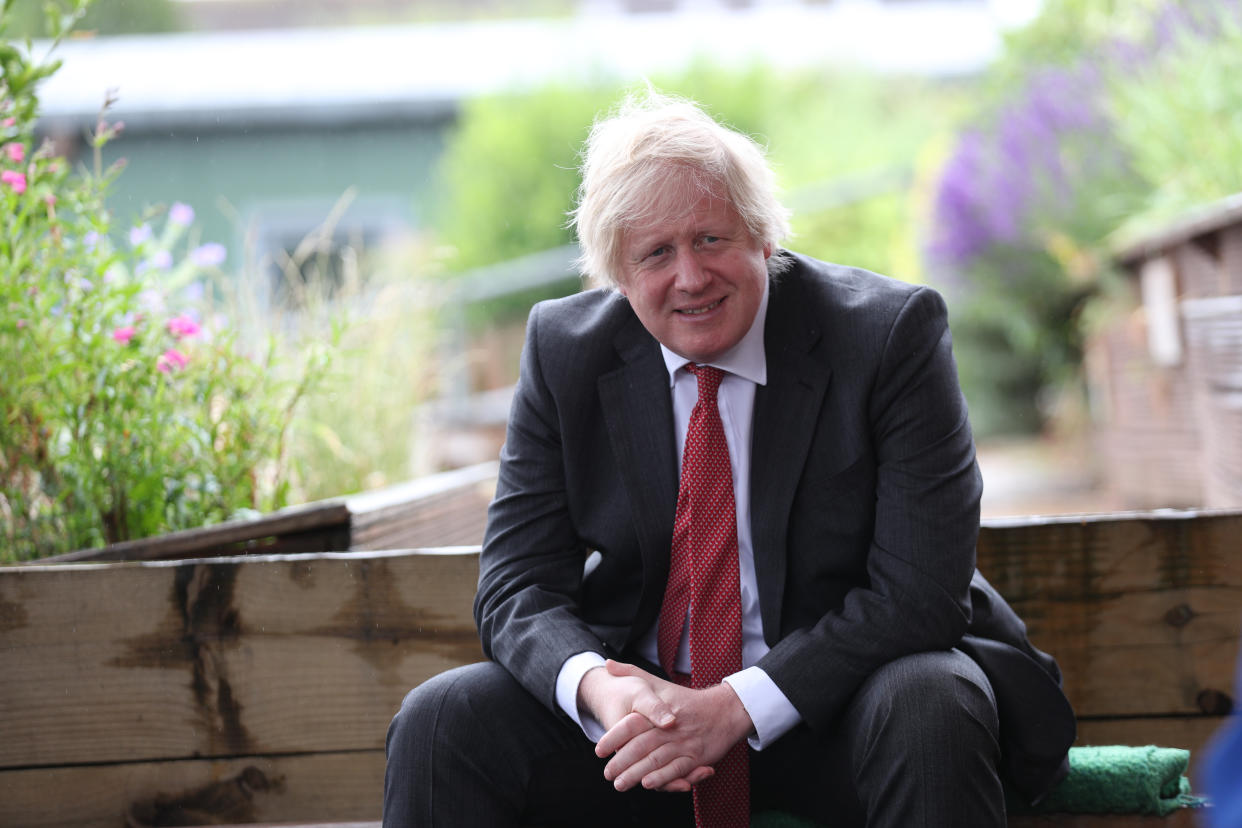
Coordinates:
(325, 787)
(1141, 611)
(273, 678)
(138, 661)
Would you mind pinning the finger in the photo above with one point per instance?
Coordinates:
(649, 702)
(684, 784)
(642, 754)
(635, 772)
(679, 768)
(621, 668)
(620, 734)
(655, 709)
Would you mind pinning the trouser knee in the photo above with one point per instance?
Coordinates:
(929, 696)
(454, 702)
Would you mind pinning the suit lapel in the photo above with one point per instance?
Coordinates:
(638, 412)
(787, 411)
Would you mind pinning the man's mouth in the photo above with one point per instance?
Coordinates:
(704, 309)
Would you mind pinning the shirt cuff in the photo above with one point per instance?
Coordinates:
(770, 711)
(567, 681)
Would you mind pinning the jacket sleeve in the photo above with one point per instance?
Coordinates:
(915, 593)
(531, 566)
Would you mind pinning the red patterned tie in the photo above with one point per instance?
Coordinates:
(703, 577)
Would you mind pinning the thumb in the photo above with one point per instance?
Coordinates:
(620, 668)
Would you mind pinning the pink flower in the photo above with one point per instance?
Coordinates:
(183, 326)
(15, 151)
(170, 359)
(124, 334)
(21, 323)
(8, 122)
(14, 179)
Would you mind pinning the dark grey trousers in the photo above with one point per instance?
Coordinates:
(917, 746)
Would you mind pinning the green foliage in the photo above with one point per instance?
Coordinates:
(122, 412)
(1066, 30)
(510, 172)
(357, 431)
(1180, 119)
(27, 18)
(510, 169)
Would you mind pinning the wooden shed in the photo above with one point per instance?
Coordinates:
(1166, 378)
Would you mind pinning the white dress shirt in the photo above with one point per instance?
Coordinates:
(745, 367)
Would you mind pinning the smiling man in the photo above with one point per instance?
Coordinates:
(730, 562)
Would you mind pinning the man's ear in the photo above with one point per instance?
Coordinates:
(767, 250)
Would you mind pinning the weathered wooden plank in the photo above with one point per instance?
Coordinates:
(315, 789)
(1141, 611)
(224, 657)
(437, 510)
(321, 524)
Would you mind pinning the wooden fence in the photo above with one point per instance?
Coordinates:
(259, 688)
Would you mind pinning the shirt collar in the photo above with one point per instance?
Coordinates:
(746, 359)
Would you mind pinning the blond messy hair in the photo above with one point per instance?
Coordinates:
(655, 148)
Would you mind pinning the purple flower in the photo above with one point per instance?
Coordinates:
(181, 214)
(90, 241)
(152, 300)
(194, 292)
(159, 260)
(140, 235)
(1007, 177)
(211, 254)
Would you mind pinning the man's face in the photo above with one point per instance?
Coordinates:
(694, 276)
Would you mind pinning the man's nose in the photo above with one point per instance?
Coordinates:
(692, 277)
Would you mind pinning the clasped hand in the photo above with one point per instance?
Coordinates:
(660, 735)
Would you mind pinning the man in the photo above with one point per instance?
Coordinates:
(730, 562)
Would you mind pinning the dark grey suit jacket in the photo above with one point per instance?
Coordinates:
(864, 503)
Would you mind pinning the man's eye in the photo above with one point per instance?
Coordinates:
(659, 251)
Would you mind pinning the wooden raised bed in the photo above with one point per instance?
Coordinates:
(258, 689)
(446, 509)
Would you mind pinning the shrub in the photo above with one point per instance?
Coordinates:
(1179, 115)
(1069, 148)
(128, 408)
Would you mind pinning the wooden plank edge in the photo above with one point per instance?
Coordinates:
(309, 516)
(1001, 523)
(359, 555)
(405, 495)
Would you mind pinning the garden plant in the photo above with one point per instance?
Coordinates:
(129, 406)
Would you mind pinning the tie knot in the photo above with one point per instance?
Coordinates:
(709, 379)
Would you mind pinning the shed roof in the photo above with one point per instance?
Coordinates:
(424, 70)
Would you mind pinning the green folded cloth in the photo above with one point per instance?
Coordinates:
(1118, 779)
(1113, 779)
